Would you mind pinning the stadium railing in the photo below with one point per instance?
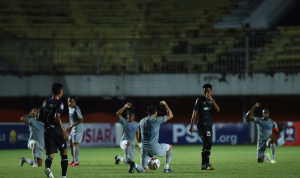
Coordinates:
(268, 53)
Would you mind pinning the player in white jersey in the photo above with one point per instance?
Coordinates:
(149, 135)
(76, 128)
(36, 138)
(265, 139)
(127, 142)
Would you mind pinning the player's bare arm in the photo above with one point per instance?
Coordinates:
(119, 113)
(139, 139)
(194, 116)
(276, 136)
(250, 112)
(60, 125)
(169, 112)
(70, 126)
(208, 96)
(25, 117)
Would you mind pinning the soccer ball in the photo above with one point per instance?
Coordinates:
(153, 163)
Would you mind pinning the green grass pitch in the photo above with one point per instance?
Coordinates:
(229, 161)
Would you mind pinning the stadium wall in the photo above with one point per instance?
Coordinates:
(152, 85)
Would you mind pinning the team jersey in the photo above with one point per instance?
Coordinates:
(264, 128)
(36, 129)
(149, 128)
(129, 130)
(204, 107)
(75, 115)
(49, 110)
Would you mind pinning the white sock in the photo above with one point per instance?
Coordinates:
(266, 157)
(28, 161)
(139, 168)
(122, 159)
(168, 158)
(34, 152)
(273, 148)
(76, 154)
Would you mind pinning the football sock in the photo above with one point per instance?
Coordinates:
(72, 152)
(64, 165)
(266, 157)
(28, 161)
(273, 148)
(126, 154)
(139, 168)
(207, 156)
(34, 152)
(76, 154)
(168, 158)
(122, 159)
(203, 157)
(48, 162)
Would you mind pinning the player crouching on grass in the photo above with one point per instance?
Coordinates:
(127, 142)
(265, 138)
(148, 136)
(76, 128)
(36, 138)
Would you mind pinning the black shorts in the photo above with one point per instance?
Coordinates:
(205, 132)
(54, 139)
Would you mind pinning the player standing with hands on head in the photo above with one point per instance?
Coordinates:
(149, 135)
(127, 142)
(265, 126)
(36, 138)
(76, 128)
(203, 110)
(55, 135)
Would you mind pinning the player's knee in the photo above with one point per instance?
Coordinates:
(33, 144)
(146, 169)
(170, 147)
(40, 164)
(63, 152)
(128, 144)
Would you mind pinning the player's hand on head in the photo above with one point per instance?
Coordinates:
(163, 103)
(257, 105)
(128, 105)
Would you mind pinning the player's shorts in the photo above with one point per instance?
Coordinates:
(148, 154)
(205, 132)
(54, 139)
(75, 135)
(40, 149)
(261, 148)
(130, 152)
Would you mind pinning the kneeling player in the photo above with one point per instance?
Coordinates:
(128, 138)
(265, 138)
(36, 139)
(76, 128)
(148, 136)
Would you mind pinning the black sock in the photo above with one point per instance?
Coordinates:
(207, 156)
(64, 165)
(48, 162)
(203, 157)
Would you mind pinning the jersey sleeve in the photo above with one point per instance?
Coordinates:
(162, 119)
(196, 107)
(275, 128)
(257, 120)
(78, 112)
(60, 108)
(30, 121)
(122, 120)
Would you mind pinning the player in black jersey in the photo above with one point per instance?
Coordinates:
(203, 110)
(55, 135)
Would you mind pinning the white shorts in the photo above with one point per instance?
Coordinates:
(40, 149)
(148, 154)
(261, 148)
(75, 136)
